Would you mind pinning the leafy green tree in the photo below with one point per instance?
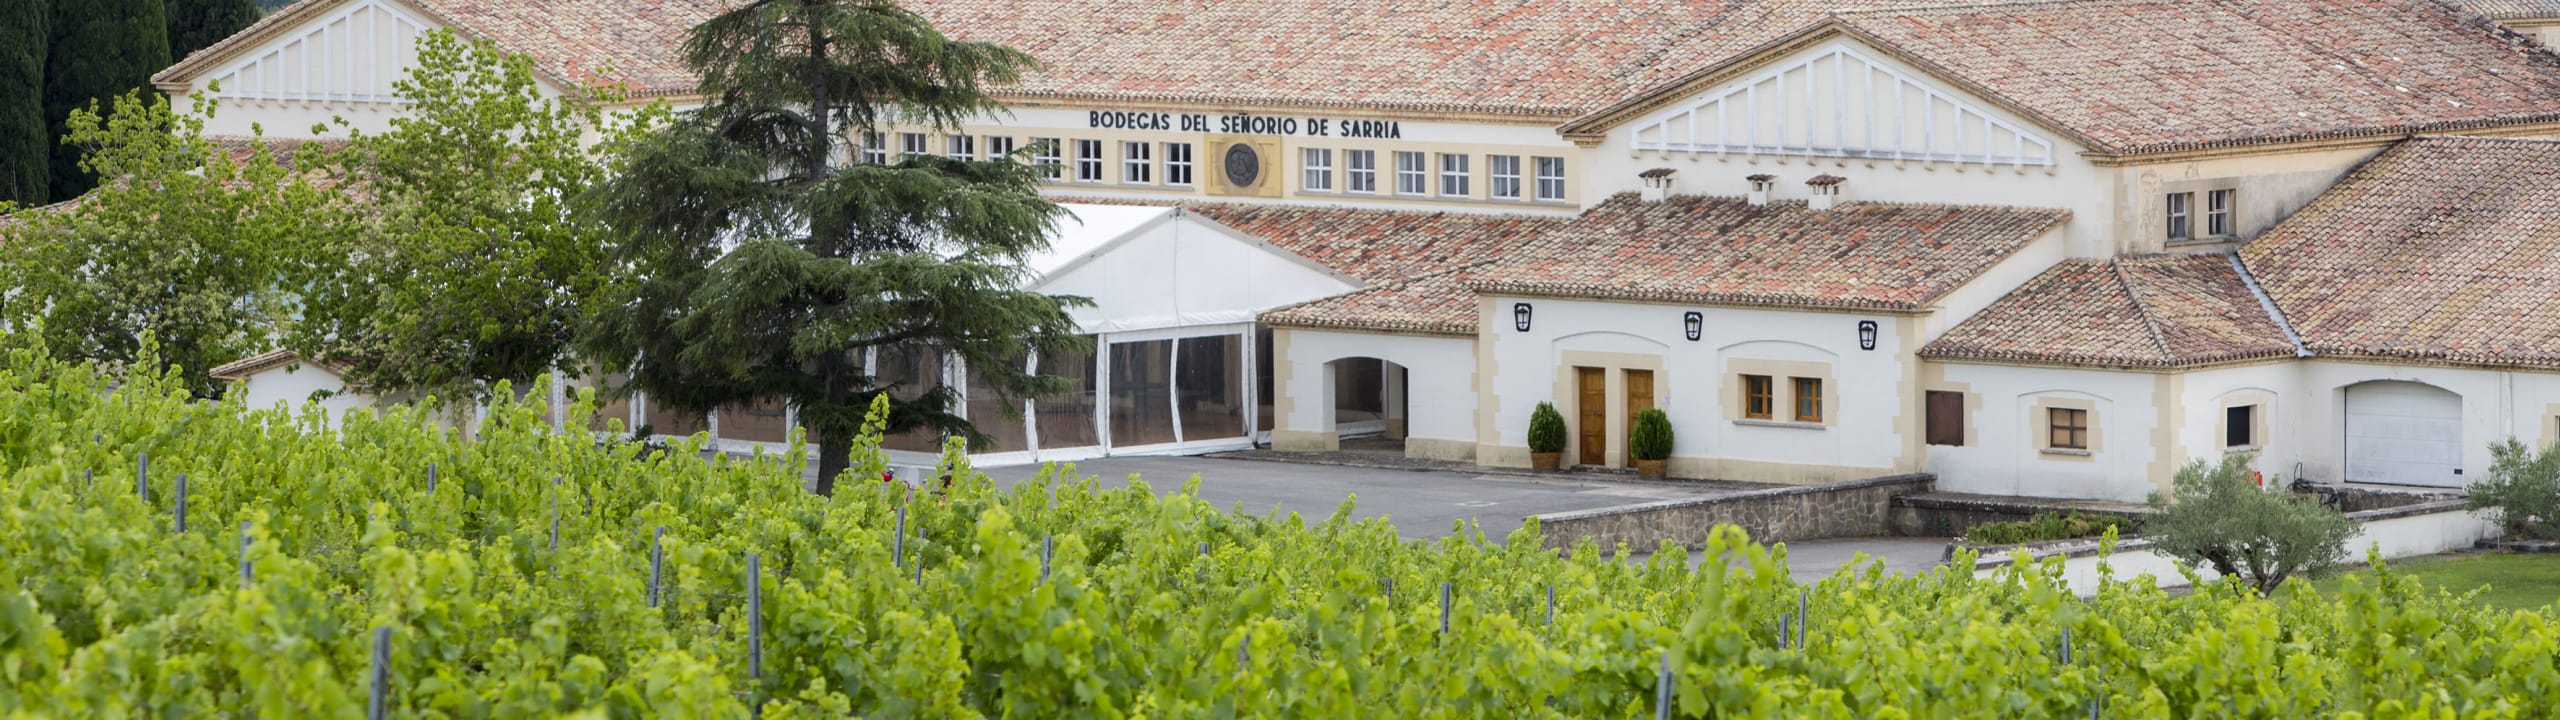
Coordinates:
(100, 49)
(2523, 485)
(197, 24)
(26, 143)
(2222, 518)
(465, 266)
(183, 244)
(760, 262)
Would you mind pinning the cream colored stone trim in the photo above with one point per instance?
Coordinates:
(1912, 411)
(2266, 405)
(1782, 374)
(1306, 440)
(2040, 426)
(1284, 384)
(1488, 402)
(2168, 401)
(2550, 424)
(1280, 165)
(1615, 366)
(1441, 450)
(1933, 376)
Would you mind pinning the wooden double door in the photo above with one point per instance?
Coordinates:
(1592, 408)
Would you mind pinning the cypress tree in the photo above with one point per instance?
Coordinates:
(101, 49)
(26, 161)
(195, 24)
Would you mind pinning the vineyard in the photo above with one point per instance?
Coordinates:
(390, 568)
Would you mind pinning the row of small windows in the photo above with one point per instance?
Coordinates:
(2217, 215)
(1413, 174)
(1760, 398)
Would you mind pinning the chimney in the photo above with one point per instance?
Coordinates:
(1761, 184)
(1657, 183)
(1826, 191)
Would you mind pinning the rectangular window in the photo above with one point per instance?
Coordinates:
(1759, 397)
(1317, 169)
(1045, 157)
(2217, 213)
(1137, 163)
(960, 147)
(1177, 163)
(1945, 413)
(911, 145)
(2240, 426)
(1550, 178)
(875, 149)
(1362, 175)
(1088, 161)
(1413, 177)
(1506, 176)
(1454, 174)
(1808, 399)
(2070, 428)
(999, 147)
(2180, 205)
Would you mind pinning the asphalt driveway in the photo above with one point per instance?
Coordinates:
(1421, 504)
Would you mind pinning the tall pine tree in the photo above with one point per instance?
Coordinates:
(195, 24)
(26, 158)
(101, 49)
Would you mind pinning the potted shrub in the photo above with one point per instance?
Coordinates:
(1650, 442)
(1546, 437)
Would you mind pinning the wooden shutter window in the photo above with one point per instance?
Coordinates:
(2070, 429)
(1946, 418)
(1808, 400)
(1759, 397)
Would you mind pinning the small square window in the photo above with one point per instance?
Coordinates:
(2180, 205)
(1759, 397)
(1808, 400)
(960, 147)
(1177, 163)
(1088, 161)
(1361, 173)
(1413, 175)
(1137, 163)
(1550, 178)
(911, 145)
(1506, 176)
(2217, 213)
(1454, 175)
(999, 147)
(875, 150)
(1045, 157)
(2070, 428)
(2240, 426)
(1316, 169)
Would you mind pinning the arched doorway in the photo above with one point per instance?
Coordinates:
(1369, 403)
(2403, 433)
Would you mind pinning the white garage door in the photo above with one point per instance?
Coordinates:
(2404, 433)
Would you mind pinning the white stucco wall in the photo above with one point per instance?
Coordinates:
(291, 386)
(1439, 382)
(1696, 383)
(2496, 404)
(2005, 417)
(2394, 538)
(2205, 395)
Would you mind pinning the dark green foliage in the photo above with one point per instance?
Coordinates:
(26, 144)
(2045, 526)
(1546, 429)
(101, 49)
(2222, 519)
(195, 24)
(1651, 437)
(2523, 485)
(757, 265)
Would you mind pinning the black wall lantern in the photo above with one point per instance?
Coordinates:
(1520, 316)
(1693, 323)
(1866, 334)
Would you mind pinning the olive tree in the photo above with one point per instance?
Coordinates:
(2523, 486)
(2218, 516)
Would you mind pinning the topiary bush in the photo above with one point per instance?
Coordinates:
(1651, 438)
(2523, 485)
(1546, 429)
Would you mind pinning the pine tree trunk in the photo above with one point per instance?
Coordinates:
(836, 428)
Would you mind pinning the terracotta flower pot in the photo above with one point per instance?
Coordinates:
(1545, 461)
(1653, 468)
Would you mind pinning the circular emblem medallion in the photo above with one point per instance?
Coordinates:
(1243, 166)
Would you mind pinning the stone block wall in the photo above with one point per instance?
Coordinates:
(1858, 508)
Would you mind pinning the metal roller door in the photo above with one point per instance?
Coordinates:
(2404, 433)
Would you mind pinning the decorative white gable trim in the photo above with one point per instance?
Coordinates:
(352, 55)
(1839, 103)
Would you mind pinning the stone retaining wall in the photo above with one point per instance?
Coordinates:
(1858, 508)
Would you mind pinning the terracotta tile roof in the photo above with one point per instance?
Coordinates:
(1381, 245)
(1878, 256)
(1434, 304)
(577, 43)
(2155, 311)
(2440, 249)
(2149, 75)
(242, 368)
(2514, 9)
